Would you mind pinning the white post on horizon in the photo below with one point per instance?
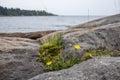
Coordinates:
(119, 5)
(44, 6)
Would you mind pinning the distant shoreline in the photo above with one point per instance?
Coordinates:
(4, 11)
(59, 15)
(27, 16)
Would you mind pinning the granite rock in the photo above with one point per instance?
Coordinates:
(18, 58)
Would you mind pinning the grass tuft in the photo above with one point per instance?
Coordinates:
(51, 56)
(90, 53)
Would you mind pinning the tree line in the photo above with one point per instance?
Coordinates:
(4, 11)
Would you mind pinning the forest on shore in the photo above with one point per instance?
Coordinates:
(4, 11)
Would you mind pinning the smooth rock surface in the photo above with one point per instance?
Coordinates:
(100, 68)
(107, 36)
(18, 58)
(8, 43)
(99, 22)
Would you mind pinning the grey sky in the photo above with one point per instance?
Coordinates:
(67, 7)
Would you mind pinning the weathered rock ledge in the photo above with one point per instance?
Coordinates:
(18, 58)
(30, 35)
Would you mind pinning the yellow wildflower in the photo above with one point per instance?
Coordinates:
(49, 63)
(77, 47)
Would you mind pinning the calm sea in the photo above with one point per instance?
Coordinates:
(40, 23)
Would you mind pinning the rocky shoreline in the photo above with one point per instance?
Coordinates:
(18, 52)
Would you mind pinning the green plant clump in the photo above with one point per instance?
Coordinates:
(90, 53)
(50, 55)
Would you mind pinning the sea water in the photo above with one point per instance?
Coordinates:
(40, 23)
